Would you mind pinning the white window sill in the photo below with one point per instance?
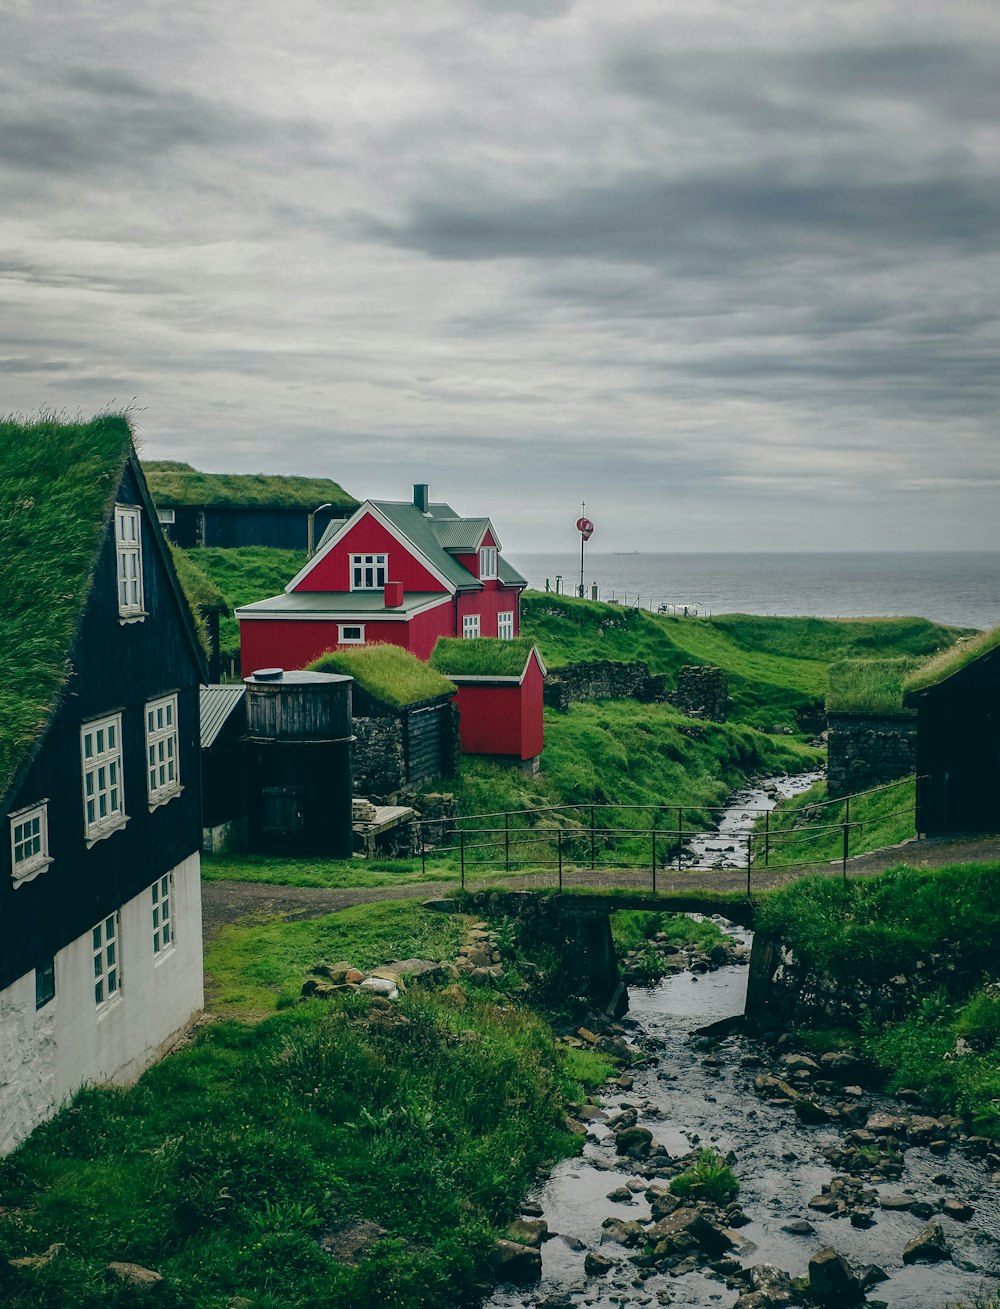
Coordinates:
(29, 873)
(95, 834)
(156, 801)
(109, 1006)
(167, 953)
(137, 617)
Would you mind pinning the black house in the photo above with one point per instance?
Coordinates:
(958, 741)
(100, 666)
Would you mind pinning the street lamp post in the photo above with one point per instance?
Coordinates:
(311, 536)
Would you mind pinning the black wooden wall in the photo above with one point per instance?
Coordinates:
(231, 526)
(958, 751)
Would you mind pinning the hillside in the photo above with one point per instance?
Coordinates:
(242, 576)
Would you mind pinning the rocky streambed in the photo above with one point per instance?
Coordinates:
(846, 1197)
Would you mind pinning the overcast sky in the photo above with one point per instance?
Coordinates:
(727, 270)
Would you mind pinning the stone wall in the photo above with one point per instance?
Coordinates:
(603, 679)
(378, 761)
(702, 692)
(863, 752)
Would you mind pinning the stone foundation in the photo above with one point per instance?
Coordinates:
(603, 679)
(863, 752)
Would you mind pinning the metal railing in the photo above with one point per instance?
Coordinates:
(522, 838)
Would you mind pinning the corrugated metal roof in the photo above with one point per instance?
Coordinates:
(461, 534)
(508, 574)
(217, 703)
(333, 604)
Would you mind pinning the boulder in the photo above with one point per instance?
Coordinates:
(337, 973)
(901, 1201)
(517, 1264)
(957, 1209)
(135, 1274)
(831, 1281)
(689, 1227)
(810, 1111)
(621, 1231)
(634, 1142)
(442, 906)
(928, 1246)
(596, 1265)
(772, 1286)
(349, 1243)
(529, 1231)
(795, 1063)
(422, 972)
(799, 1227)
(886, 1125)
(380, 986)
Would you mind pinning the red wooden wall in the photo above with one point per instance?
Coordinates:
(333, 572)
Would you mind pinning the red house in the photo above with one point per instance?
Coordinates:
(396, 572)
(500, 696)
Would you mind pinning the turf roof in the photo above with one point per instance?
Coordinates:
(950, 661)
(58, 482)
(488, 657)
(387, 672)
(173, 483)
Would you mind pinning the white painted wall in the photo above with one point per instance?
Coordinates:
(45, 1055)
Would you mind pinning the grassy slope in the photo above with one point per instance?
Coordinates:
(803, 829)
(243, 576)
(867, 686)
(775, 665)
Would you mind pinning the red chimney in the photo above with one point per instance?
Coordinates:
(393, 593)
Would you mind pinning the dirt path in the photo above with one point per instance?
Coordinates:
(230, 902)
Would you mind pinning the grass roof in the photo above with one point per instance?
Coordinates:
(459, 657)
(58, 481)
(387, 672)
(173, 483)
(867, 686)
(950, 661)
(200, 592)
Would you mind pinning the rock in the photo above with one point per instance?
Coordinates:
(921, 1130)
(809, 1111)
(596, 1265)
(621, 1231)
(573, 1242)
(957, 1209)
(380, 986)
(514, 1263)
(886, 1125)
(765, 1084)
(872, 1275)
(336, 973)
(443, 906)
(799, 1227)
(927, 1247)
(909, 1096)
(135, 1274)
(422, 972)
(621, 1195)
(796, 1063)
(531, 1209)
(831, 1281)
(634, 1142)
(38, 1260)
(686, 1227)
(901, 1201)
(587, 1036)
(825, 1204)
(772, 1286)
(351, 1242)
(529, 1231)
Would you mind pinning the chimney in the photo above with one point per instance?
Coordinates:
(420, 496)
(392, 594)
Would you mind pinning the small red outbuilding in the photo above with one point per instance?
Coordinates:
(500, 695)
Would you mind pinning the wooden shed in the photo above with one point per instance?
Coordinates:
(298, 760)
(499, 697)
(958, 739)
(223, 766)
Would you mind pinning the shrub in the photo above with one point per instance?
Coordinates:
(709, 1178)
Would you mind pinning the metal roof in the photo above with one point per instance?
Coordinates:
(335, 604)
(217, 704)
(461, 535)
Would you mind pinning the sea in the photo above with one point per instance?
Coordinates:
(961, 589)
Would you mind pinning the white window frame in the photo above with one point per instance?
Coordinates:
(344, 628)
(102, 777)
(105, 952)
(369, 572)
(166, 516)
(505, 625)
(162, 750)
(29, 827)
(162, 915)
(128, 552)
(488, 563)
(470, 626)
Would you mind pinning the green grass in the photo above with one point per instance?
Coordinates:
(243, 576)
(632, 928)
(803, 829)
(951, 661)
(174, 483)
(388, 673)
(199, 590)
(775, 666)
(708, 1179)
(255, 970)
(493, 658)
(58, 481)
(226, 1162)
(867, 686)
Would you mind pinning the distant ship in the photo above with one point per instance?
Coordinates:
(624, 552)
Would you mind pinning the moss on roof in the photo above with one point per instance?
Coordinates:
(950, 661)
(200, 592)
(387, 672)
(173, 483)
(483, 658)
(867, 686)
(58, 481)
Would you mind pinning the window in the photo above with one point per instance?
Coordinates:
(29, 842)
(470, 625)
(45, 983)
(352, 634)
(162, 892)
(128, 540)
(505, 625)
(166, 516)
(107, 964)
(162, 777)
(368, 572)
(103, 798)
(487, 562)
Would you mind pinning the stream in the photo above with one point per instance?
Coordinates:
(726, 845)
(779, 1162)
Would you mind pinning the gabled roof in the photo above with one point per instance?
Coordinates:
(436, 537)
(218, 703)
(487, 659)
(973, 652)
(58, 484)
(172, 483)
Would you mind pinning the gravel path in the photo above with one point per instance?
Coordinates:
(230, 902)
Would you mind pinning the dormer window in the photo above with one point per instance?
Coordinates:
(487, 563)
(128, 544)
(369, 572)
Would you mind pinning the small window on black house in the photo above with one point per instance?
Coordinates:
(45, 983)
